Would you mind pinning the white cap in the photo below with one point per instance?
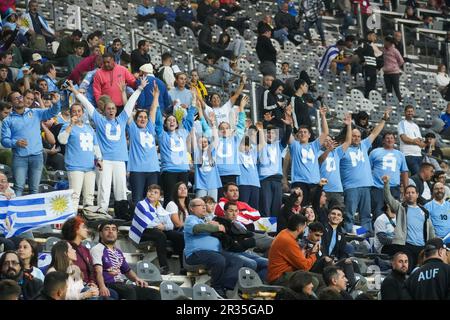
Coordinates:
(147, 68)
(36, 57)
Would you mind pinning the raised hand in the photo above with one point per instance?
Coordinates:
(244, 101)
(385, 179)
(348, 119)
(323, 111)
(144, 83)
(155, 90)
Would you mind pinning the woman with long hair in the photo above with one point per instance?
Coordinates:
(63, 258)
(178, 207)
(28, 253)
(292, 206)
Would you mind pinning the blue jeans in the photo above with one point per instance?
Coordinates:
(346, 23)
(318, 23)
(271, 196)
(377, 195)
(224, 267)
(357, 200)
(27, 167)
(249, 195)
(261, 263)
(139, 181)
(413, 163)
(281, 35)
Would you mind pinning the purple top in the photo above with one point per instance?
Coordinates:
(113, 262)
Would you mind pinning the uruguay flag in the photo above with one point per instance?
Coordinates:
(34, 211)
(144, 213)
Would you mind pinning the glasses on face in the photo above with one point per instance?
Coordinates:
(11, 263)
(18, 98)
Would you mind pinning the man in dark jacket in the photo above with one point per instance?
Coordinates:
(432, 280)
(422, 181)
(238, 239)
(267, 54)
(55, 286)
(11, 267)
(369, 61)
(393, 286)
(205, 40)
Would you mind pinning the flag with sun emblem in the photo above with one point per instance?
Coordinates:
(34, 211)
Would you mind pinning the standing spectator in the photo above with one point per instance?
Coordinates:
(422, 181)
(387, 161)
(286, 257)
(413, 224)
(86, 66)
(173, 152)
(432, 280)
(82, 150)
(111, 268)
(165, 72)
(50, 77)
(314, 10)
(117, 50)
(111, 130)
(368, 59)
(330, 161)
(143, 165)
(301, 105)
(202, 248)
(107, 79)
(37, 23)
(74, 59)
(12, 268)
(267, 54)
(146, 98)
(140, 55)
(445, 116)
(180, 95)
(5, 153)
(28, 254)
(411, 142)
(356, 186)
(305, 164)
(393, 61)
(439, 211)
(393, 286)
(291, 206)
(21, 132)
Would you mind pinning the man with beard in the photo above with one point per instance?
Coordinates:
(12, 268)
(439, 211)
(393, 286)
(112, 269)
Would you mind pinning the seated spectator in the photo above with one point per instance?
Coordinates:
(159, 227)
(28, 254)
(36, 22)
(12, 268)
(330, 294)
(63, 257)
(384, 227)
(162, 9)
(185, 16)
(202, 248)
(66, 45)
(205, 43)
(238, 239)
(440, 176)
(145, 12)
(300, 287)
(331, 57)
(445, 116)
(195, 82)
(55, 286)
(335, 279)
(237, 46)
(111, 268)
(86, 66)
(179, 206)
(285, 255)
(9, 290)
(442, 78)
(52, 151)
(393, 286)
(214, 72)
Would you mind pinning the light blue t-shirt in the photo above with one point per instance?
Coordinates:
(61, 120)
(143, 11)
(414, 226)
(206, 173)
(143, 155)
(79, 154)
(172, 145)
(228, 156)
(184, 96)
(270, 160)
(355, 166)
(329, 169)
(249, 169)
(111, 136)
(387, 162)
(440, 217)
(200, 241)
(305, 164)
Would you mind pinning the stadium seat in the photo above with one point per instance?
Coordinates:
(50, 243)
(204, 292)
(170, 291)
(148, 272)
(249, 283)
(45, 188)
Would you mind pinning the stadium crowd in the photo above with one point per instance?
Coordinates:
(186, 166)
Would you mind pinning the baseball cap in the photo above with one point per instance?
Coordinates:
(435, 244)
(147, 68)
(36, 57)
